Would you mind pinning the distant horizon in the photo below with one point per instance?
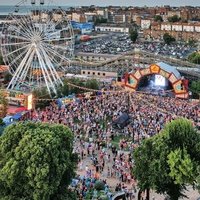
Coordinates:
(54, 5)
(106, 3)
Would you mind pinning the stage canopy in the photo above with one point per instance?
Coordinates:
(169, 69)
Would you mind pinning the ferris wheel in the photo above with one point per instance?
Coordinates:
(37, 46)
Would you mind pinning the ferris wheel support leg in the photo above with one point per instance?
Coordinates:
(49, 83)
(45, 65)
(27, 67)
(16, 78)
(52, 69)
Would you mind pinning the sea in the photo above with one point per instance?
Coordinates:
(6, 10)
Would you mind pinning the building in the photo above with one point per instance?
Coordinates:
(112, 28)
(171, 13)
(145, 23)
(84, 28)
(90, 16)
(99, 74)
(78, 17)
(119, 18)
(166, 27)
(180, 31)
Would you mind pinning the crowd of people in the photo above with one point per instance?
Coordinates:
(91, 121)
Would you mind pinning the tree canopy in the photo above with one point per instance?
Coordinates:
(67, 89)
(36, 162)
(3, 104)
(158, 18)
(133, 36)
(100, 20)
(194, 57)
(174, 18)
(195, 88)
(169, 161)
(168, 39)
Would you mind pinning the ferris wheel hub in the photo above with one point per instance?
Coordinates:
(36, 39)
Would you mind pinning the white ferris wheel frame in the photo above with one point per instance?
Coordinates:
(32, 45)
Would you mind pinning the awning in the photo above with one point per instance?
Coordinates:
(17, 116)
(14, 109)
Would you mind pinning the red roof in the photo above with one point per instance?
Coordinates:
(3, 68)
(14, 109)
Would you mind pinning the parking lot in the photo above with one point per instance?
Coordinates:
(111, 44)
(180, 51)
(116, 43)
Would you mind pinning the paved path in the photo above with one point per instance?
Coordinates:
(112, 182)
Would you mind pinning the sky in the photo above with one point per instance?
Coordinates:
(114, 2)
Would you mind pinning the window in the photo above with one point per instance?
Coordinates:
(104, 74)
(88, 72)
(83, 72)
(99, 73)
(93, 73)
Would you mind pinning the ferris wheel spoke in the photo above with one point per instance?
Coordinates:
(52, 25)
(22, 25)
(21, 55)
(28, 66)
(16, 37)
(16, 29)
(51, 67)
(28, 25)
(15, 77)
(19, 49)
(55, 53)
(13, 44)
(58, 47)
(57, 39)
(56, 63)
(53, 60)
(47, 78)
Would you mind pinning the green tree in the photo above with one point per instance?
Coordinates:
(100, 20)
(69, 89)
(194, 58)
(41, 97)
(174, 18)
(192, 42)
(195, 88)
(92, 84)
(169, 161)
(158, 18)
(3, 104)
(133, 36)
(168, 39)
(36, 162)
